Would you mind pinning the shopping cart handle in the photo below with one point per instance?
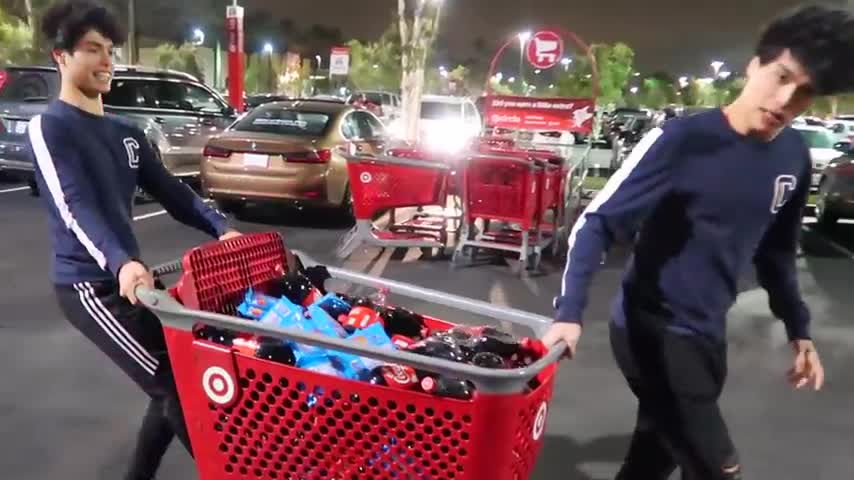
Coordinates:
(174, 315)
(538, 323)
(387, 159)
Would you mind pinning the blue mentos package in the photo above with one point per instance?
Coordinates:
(333, 305)
(255, 304)
(286, 314)
(354, 366)
(320, 364)
(324, 323)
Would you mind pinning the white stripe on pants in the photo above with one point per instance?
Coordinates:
(105, 319)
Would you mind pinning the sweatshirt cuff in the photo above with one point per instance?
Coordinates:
(117, 261)
(568, 314)
(219, 224)
(798, 329)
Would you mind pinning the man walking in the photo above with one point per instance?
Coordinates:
(708, 195)
(89, 165)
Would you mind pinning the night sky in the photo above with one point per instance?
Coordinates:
(679, 36)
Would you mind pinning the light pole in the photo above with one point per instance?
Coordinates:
(523, 42)
(566, 61)
(131, 56)
(268, 51)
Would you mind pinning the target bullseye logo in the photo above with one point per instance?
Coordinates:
(218, 385)
(365, 177)
(540, 421)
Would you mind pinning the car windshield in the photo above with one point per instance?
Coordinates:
(284, 121)
(440, 110)
(817, 138)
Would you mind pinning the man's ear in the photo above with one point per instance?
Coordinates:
(752, 67)
(59, 56)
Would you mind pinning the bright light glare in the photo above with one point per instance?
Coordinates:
(268, 48)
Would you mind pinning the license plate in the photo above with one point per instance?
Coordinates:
(256, 160)
(816, 177)
(20, 127)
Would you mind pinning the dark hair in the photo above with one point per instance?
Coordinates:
(66, 22)
(819, 38)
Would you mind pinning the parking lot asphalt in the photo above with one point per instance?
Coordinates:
(68, 413)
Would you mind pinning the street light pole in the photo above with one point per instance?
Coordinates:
(131, 56)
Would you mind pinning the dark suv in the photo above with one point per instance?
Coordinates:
(177, 112)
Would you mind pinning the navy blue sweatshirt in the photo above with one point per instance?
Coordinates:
(702, 203)
(88, 168)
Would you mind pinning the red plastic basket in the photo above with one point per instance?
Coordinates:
(499, 188)
(254, 419)
(377, 186)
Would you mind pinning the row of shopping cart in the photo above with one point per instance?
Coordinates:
(497, 196)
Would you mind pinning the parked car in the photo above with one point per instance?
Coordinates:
(253, 101)
(835, 198)
(285, 152)
(388, 103)
(821, 144)
(626, 137)
(176, 111)
(448, 123)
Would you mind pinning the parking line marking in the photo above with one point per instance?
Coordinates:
(157, 213)
(16, 189)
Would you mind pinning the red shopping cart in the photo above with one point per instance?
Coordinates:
(404, 178)
(506, 187)
(250, 418)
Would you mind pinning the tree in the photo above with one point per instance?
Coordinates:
(419, 24)
(376, 65)
(16, 41)
(183, 58)
(615, 66)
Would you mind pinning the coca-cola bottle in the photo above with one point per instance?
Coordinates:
(498, 341)
(297, 288)
(400, 321)
(448, 387)
(435, 347)
(215, 335)
(318, 275)
(395, 376)
(275, 350)
(488, 360)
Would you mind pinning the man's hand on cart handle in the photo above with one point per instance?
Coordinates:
(131, 275)
(230, 234)
(566, 332)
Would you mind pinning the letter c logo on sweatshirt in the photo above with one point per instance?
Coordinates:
(132, 149)
(784, 185)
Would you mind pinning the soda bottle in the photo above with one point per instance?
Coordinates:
(530, 350)
(488, 360)
(400, 321)
(362, 317)
(297, 288)
(498, 341)
(275, 350)
(464, 338)
(379, 298)
(318, 275)
(435, 347)
(447, 387)
(214, 335)
(395, 376)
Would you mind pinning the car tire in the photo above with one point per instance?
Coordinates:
(34, 188)
(825, 217)
(345, 210)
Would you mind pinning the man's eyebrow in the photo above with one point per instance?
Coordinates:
(785, 69)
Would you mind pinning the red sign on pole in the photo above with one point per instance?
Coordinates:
(545, 49)
(234, 26)
(528, 113)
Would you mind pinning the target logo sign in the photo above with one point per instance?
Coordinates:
(218, 385)
(540, 421)
(365, 177)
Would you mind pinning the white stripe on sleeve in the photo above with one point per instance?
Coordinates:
(613, 184)
(48, 171)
